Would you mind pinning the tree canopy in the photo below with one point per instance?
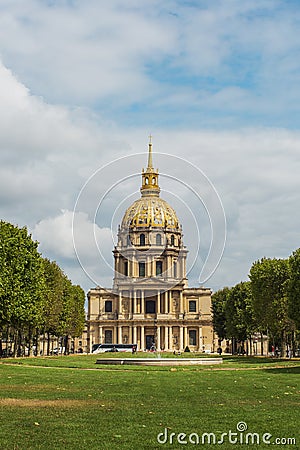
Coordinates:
(35, 295)
(269, 303)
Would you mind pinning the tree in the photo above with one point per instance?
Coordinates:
(77, 312)
(218, 310)
(35, 295)
(269, 278)
(240, 323)
(64, 306)
(53, 299)
(293, 288)
(21, 282)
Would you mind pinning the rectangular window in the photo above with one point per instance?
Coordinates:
(108, 306)
(126, 268)
(192, 337)
(142, 269)
(158, 268)
(192, 306)
(175, 269)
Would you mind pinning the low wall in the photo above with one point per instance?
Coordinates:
(159, 361)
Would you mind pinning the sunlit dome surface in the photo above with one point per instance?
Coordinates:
(150, 212)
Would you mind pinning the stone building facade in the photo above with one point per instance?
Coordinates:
(150, 303)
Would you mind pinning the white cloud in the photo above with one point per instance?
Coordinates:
(84, 78)
(78, 243)
(117, 57)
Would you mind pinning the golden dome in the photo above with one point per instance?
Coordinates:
(150, 212)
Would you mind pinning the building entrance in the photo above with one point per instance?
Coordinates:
(150, 341)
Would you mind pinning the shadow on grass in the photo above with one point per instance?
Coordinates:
(249, 359)
(289, 370)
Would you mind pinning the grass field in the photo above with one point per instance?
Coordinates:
(71, 403)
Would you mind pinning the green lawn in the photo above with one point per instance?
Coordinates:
(64, 405)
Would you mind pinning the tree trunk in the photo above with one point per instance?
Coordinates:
(29, 340)
(1, 351)
(48, 343)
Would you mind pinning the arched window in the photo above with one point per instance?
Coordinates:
(146, 180)
(172, 239)
(142, 239)
(153, 180)
(158, 239)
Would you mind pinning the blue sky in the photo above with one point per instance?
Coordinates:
(215, 82)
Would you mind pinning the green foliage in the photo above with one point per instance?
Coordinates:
(219, 299)
(269, 303)
(53, 296)
(269, 279)
(293, 288)
(35, 295)
(72, 316)
(21, 277)
(233, 312)
(239, 315)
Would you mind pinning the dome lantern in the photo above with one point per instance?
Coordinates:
(150, 185)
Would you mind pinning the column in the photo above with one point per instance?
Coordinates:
(181, 347)
(171, 308)
(170, 339)
(184, 267)
(185, 343)
(166, 339)
(142, 302)
(200, 339)
(181, 307)
(120, 335)
(130, 304)
(166, 303)
(117, 268)
(134, 338)
(120, 302)
(158, 338)
(100, 334)
(142, 337)
(134, 303)
(158, 302)
(115, 335)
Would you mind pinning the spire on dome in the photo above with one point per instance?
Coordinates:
(150, 164)
(150, 176)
